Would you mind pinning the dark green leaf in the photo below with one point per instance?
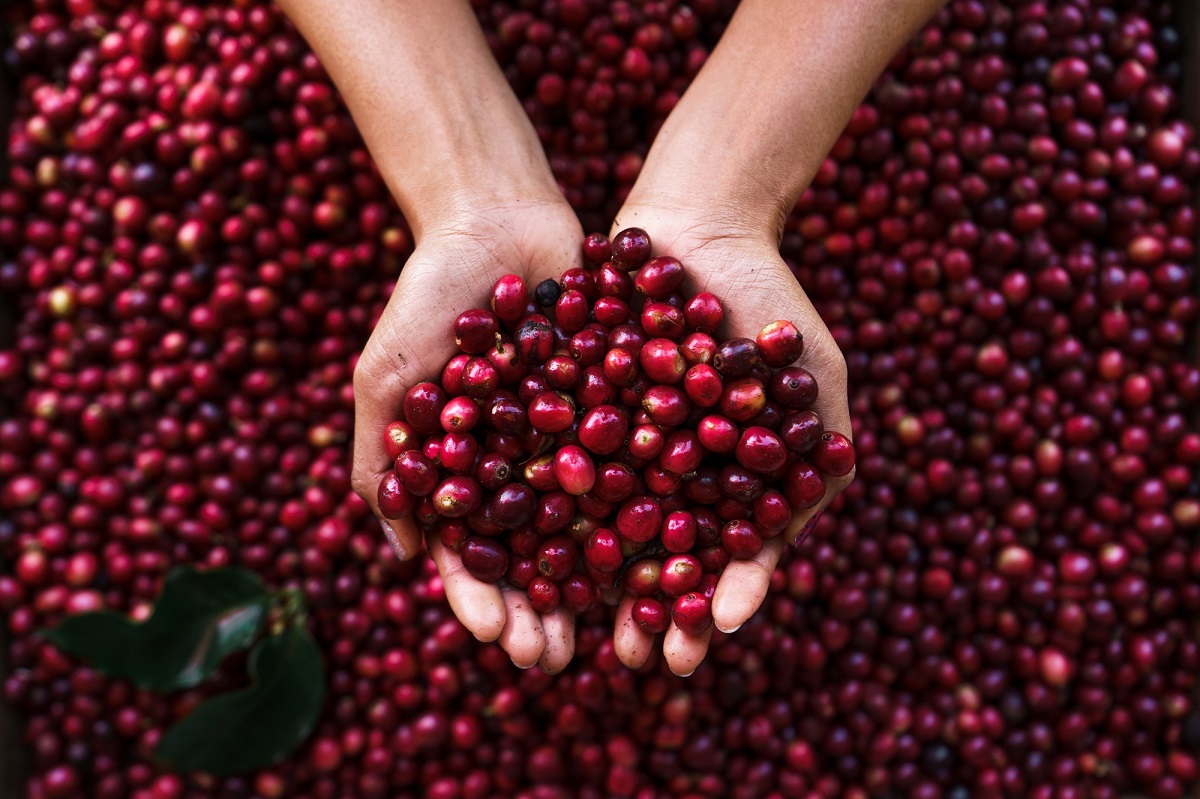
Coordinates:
(250, 729)
(200, 618)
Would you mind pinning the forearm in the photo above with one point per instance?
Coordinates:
(434, 109)
(759, 119)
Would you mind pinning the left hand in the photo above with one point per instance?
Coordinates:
(739, 263)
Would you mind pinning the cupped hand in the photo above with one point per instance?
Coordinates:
(453, 269)
(739, 263)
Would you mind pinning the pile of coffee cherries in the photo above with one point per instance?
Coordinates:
(595, 433)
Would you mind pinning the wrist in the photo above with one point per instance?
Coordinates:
(682, 223)
(476, 183)
(709, 193)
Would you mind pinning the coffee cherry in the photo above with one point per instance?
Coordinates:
(485, 558)
(779, 344)
(651, 615)
(833, 454)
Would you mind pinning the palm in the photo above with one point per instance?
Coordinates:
(449, 272)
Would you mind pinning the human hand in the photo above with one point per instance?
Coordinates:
(453, 268)
(740, 263)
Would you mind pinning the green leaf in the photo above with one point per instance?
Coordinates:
(250, 729)
(199, 619)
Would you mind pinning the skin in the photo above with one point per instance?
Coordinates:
(469, 174)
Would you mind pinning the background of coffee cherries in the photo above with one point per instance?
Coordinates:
(194, 246)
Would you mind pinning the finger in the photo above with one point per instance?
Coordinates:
(377, 402)
(523, 637)
(633, 644)
(559, 627)
(479, 606)
(743, 586)
(403, 536)
(684, 652)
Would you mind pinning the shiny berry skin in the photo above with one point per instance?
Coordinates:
(581, 280)
(485, 558)
(760, 450)
(543, 594)
(423, 405)
(595, 388)
(743, 399)
(801, 430)
(460, 415)
(662, 321)
(615, 482)
(509, 298)
(612, 282)
(680, 574)
(394, 501)
(646, 441)
(574, 470)
(456, 497)
(639, 519)
(399, 437)
(630, 249)
(703, 385)
(779, 344)
(717, 434)
(704, 313)
(452, 374)
(794, 388)
(480, 379)
(803, 486)
(521, 571)
(698, 348)
(736, 357)
(772, 513)
(417, 473)
(556, 557)
(641, 578)
(692, 613)
(505, 358)
(682, 452)
(458, 453)
(551, 412)
(534, 340)
(651, 615)
(476, 330)
(662, 362)
(659, 277)
(513, 505)
(506, 415)
(666, 405)
(620, 366)
(741, 539)
(561, 372)
(678, 533)
(577, 593)
(453, 533)
(571, 311)
(603, 429)
(596, 248)
(610, 311)
(602, 550)
(833, 454)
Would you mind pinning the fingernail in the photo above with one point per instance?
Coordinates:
(524, 668)
(394, 540)
(730, 631)
(807, 528)
(685, 676)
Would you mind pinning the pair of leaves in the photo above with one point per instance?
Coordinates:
(198, 620)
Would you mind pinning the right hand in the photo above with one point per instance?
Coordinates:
(453, 268)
